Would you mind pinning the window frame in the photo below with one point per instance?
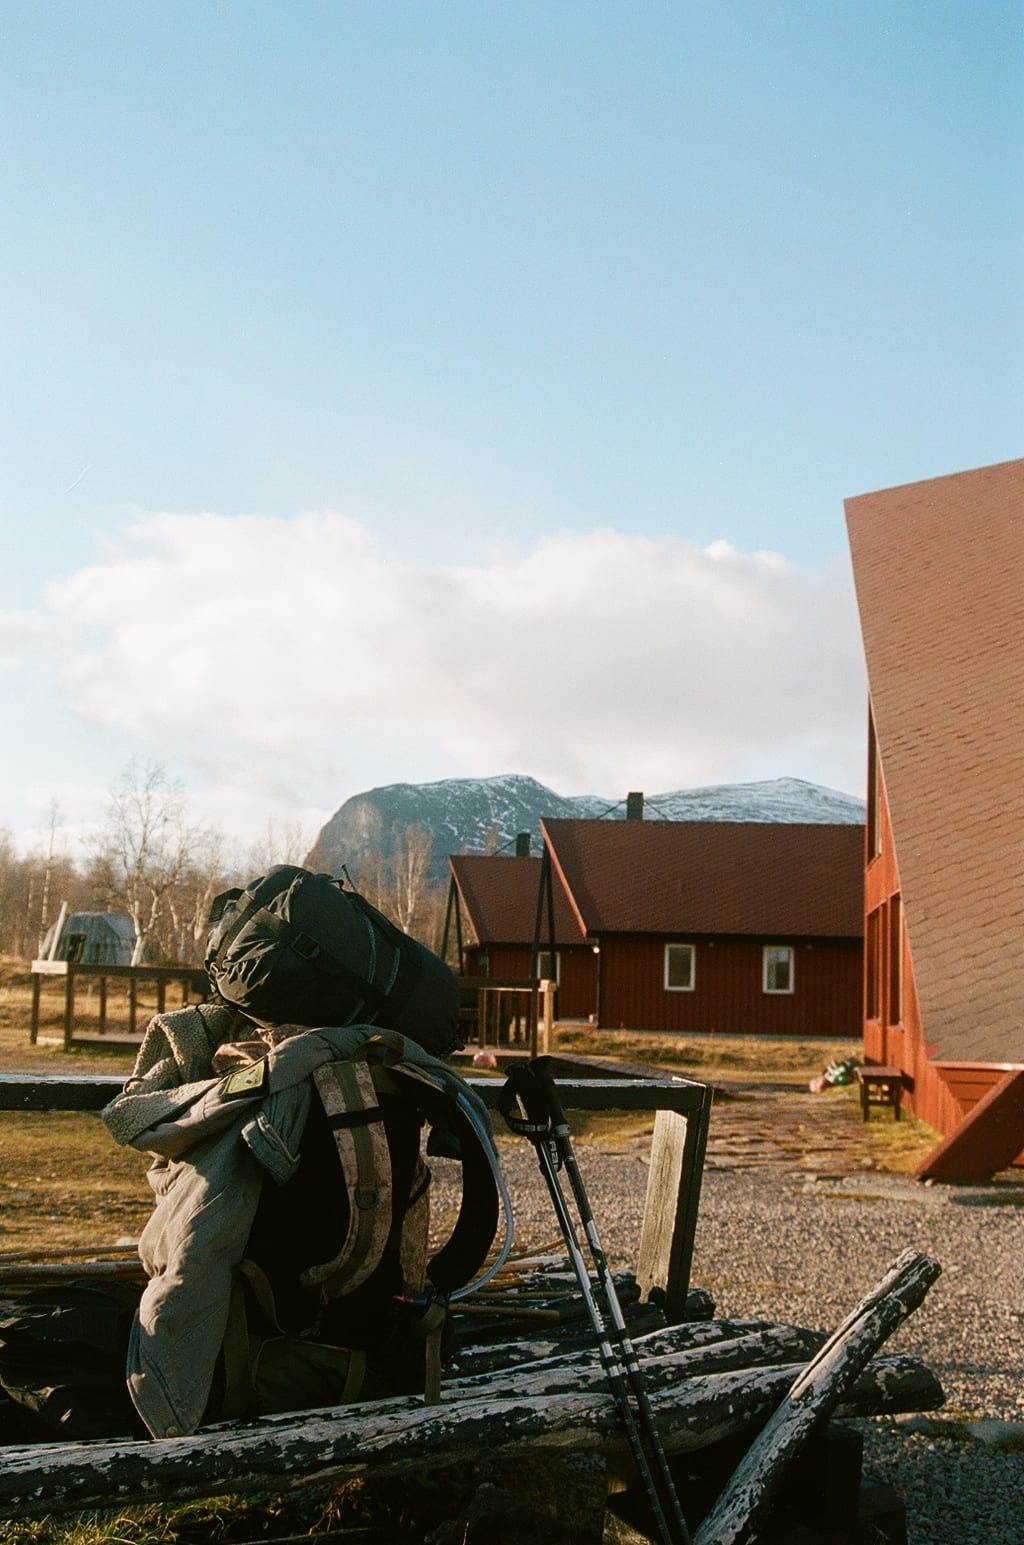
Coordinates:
(875, 795)
(679, 944)
(873, 973)
(778, 992)
(546, 955)
(894, 996)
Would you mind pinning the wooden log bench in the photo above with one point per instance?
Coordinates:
(711, 1383)
(880, 1085)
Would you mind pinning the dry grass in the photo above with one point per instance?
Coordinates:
(711, 1058)
(66, 1184)
(18, 1055)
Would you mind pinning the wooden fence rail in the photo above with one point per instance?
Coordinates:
(681, 1110)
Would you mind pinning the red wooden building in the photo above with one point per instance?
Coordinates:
(939, 572)
(735, 927)
(497, 910)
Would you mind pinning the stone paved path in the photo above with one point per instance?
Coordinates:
(768, 1126)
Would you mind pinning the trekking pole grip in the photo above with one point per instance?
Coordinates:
(522, 1105)
(541, 1070)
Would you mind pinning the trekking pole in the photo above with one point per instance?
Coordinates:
(531, 1108)
(563, 1144)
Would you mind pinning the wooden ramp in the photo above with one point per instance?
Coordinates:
(987, 1140)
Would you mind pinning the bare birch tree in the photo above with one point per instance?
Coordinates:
(399, 885)
(147, 844)
(282, 842)
(410, 865)
(190, 900)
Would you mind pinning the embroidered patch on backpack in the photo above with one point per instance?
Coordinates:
(250, 1080)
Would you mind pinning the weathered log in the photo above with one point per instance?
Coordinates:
(570, 1332)
(396, 1435)
(814, 1396)
(63, 1253)
(662, 1361)
(47, 1274)
(519, 1359)
(553, 1271)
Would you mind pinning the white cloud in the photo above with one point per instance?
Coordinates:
(257, 649)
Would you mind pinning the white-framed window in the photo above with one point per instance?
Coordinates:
(777, 968)
(548, 966)
(680, 967)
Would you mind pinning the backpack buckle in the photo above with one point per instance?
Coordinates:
(303, 945)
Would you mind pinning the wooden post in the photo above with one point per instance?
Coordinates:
(37, 983)
(103, 1005)
(133, 1003)
(814, 1395)
(69, 1004)
(670, 1210)
(548, 994)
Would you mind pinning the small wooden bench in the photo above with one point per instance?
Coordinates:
(880, 1086)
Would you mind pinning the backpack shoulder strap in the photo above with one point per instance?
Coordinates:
(447, 1103)
(354, 1115)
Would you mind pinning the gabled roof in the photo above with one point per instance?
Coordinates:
(499, 896)
(712, 877)
(939, 571)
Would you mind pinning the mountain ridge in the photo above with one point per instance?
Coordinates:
(480, 815)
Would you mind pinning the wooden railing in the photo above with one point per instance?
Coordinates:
(507, 1012)
(191, 980)
(682, 1111)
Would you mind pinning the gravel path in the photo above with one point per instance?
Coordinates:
(779, 1241)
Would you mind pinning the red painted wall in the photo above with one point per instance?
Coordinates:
(939, 1094)
(728, 997)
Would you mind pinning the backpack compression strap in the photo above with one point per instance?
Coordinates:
(347, 1092)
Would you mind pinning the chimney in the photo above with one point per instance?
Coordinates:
(634, 807)
(522, 844)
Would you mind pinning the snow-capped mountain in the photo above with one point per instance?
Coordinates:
(775, 799)
(480, 815)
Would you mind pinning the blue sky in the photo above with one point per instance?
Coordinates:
(405, 390)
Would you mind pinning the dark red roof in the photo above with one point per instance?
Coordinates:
(499, 897)
(939, 571)
(712, 877)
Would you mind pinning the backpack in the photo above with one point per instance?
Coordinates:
(298, 948)
(337, 1298)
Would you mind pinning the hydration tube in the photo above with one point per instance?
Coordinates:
(487, 1143)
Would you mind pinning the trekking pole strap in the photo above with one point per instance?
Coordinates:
(541, 1070)
(524, 1106)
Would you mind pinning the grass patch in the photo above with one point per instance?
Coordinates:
(559, 1499)
(712, 1057)
(898, 1146)
(66, 1183)
(223, 1519)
